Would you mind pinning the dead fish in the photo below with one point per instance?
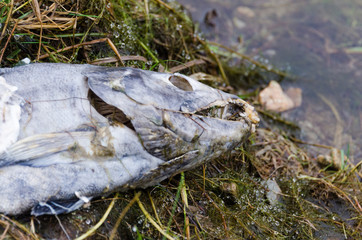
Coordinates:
(69, 133)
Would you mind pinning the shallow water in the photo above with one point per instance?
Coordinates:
(318, 42)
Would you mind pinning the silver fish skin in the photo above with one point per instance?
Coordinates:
(61, 149)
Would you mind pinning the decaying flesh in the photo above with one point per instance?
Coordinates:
(72, 132)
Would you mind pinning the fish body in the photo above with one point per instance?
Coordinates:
(75, 132)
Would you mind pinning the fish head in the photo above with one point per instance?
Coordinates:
(175, 116)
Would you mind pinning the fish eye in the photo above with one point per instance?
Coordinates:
(180, 83)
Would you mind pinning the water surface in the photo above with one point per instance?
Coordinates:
(318, 42)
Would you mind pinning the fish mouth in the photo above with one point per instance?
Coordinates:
(166, 93)
(230, 110)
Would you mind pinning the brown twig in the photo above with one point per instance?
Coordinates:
(165, 5)
(110, 43)
(20, 226)
(123, 213)
(36, 9)
(7, 19)
(7, 42)
(114, 59)
(7, 224)
(101, 221)
(311, 144)
(187, 65)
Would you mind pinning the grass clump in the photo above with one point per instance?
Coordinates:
(145, 34)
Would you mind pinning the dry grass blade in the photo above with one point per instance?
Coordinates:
(154, 209)
(153, 222)
(47, 19)
(113, 59)
(355, 168)
(7, 226)
(56, 23)
(83, 44)
(92, 230)
(311, 144)
(165, 5)
(147, 10)
(123, 213)
(7, 42)
(110, 43)
(20, 226)
(36, 9)
(7, 19)
(222, 71)
(187, 65)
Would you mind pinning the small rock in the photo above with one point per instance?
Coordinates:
(25, 61)
(270, 37)
(244, 11)
(273, 195)
(210, 17)
(229, 193)
(239, 23)
(273, 98)
(230, 188)
(270, 53)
